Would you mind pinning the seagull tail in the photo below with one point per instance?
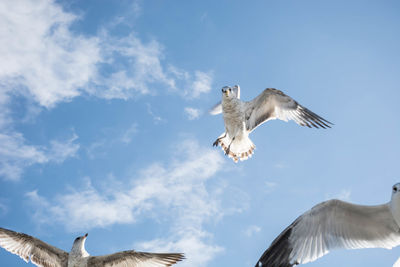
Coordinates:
(240, 149)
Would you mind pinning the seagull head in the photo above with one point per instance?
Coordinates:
(226, 91)
(396, 190)
(79, 245)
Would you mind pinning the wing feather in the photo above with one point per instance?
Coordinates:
(329, 225)
(135, 259)
(216, 109)
(31, 248)
(274, 104)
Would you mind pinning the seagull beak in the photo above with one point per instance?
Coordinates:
(86, 235)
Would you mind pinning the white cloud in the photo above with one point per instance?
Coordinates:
(201, 84)
(192, 113)
(45, 62)
(197, 252)
(195, 86)
(178, 193)
(129, 133)
(15, 154)
(156, 119)
(134, 69)
(61, 150)
(251, 230)
(95, 149)
(40, 57)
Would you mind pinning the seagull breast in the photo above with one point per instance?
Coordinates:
(233, 115)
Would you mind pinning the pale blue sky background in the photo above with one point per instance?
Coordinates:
(104, 126)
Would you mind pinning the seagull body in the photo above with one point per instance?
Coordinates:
(45, 255)
(241, 118)
(335, 224)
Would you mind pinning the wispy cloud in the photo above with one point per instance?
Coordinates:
(40, 57)
(191, 241)
(139, 66)
(200, 85)
(192, 113)
(129, 133)
(95, 149)
(280, 165)
(56, 64)
(178, 192)
(15, 154)
(61, 150)
(251, 230)
(195, 85)
(45, 62)
(156, 119)
(270, 186)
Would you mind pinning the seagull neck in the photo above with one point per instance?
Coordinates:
(229, 103)
(79, 250)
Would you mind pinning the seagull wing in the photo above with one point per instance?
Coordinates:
(30, 248)
(273, 104)
(236, 91)
(328, 225)
(133, 258)
(217, 109)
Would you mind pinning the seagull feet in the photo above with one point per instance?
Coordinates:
(216, 142)
(228, 150)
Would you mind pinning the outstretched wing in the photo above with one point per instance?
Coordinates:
(236, 91)
(30, 248)
(273, 104)
(217, 109)
(135, 259)
(329, 225)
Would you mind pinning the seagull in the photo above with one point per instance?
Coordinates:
(241, 118)
(335, 224)
(45, 255)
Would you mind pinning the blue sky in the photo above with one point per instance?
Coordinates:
(104, 126)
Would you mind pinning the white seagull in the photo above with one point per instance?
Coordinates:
(241, 118)
(335, 224)
(45, 255)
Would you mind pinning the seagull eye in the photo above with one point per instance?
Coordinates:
(395, 189)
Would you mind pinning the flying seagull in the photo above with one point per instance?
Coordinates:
(335, 224)
(241, 118)
(45, 255)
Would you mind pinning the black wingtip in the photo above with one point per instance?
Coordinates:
(278, 253)
(312, 118)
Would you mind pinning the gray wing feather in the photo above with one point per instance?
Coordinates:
(135, 259)
(236, 91)
(329, 225)
(216, 109)
(273, 104)
(30, 248)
